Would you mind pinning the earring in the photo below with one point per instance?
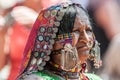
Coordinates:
(95, 55)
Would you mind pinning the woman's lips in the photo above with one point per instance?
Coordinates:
(83, 48)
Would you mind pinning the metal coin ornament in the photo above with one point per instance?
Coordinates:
(33, 62)
(95, 55)
(43, 64)
(42, 29)
(40, 68)
(36, 54)
(55, 30)
(40, 38)
(49, 29)
(57, 23)
(47, 14)
(38, 46)
(53, 13)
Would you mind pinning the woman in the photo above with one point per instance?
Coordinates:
(59, 44)
(111, 70)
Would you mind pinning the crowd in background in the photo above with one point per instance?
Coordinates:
(18, 16)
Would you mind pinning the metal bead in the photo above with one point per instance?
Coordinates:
(30, 68)
(61, 13)
(43, 64)
(59, 18)
(40, 68)
(54, 35)
(33, 62)
(50, 46)
(55, 30)
(65, 5)
(42, 54)
(45, 47)
(38, 46)
(51, 21)
(48, 52)
(53, 13)
(57, 23)
(69, 3)
(49, 29)
(52, 41)
(40, 38)
(42, 29)
(47, 14)
(47, 58)
(47, 38)
(39, 61)
(36, 54)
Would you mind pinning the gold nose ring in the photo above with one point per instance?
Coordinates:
(89, 44)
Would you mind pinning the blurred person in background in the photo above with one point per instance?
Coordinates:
(19, 17)
(2, 41)
(111, 61)
(111, 70)
(105, 21)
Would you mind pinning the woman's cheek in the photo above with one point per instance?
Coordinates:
(75, 39)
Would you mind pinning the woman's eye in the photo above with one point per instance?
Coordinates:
(77, 32)
(89, 31)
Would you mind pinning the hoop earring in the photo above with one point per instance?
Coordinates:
(95, 55)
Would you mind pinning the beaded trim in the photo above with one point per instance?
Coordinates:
(59, 67)
(68, 74)
(50, 21)
(65, 36)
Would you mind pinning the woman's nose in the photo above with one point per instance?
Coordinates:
(75, 39)
(85, 36)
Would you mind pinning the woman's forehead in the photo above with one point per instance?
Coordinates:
(80, 23)
(82, 17)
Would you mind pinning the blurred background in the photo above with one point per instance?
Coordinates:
(18, 16)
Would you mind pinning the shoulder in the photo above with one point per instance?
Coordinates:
(93, 76)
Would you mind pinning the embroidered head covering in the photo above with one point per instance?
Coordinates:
(55, 22)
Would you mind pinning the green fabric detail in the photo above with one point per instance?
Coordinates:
(92, 76)
(50, 76)
(47, 75)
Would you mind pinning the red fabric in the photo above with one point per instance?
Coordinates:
(18, 41)
(30, 43)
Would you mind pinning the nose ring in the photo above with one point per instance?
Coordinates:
(89, 44)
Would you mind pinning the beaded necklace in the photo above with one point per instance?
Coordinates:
(73, 74)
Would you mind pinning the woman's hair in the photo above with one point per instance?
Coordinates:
(68, 20)
(67, 23)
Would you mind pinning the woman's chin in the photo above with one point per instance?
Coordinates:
(84, 55)
(84, 51)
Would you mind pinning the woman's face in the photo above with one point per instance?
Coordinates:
(83, 40)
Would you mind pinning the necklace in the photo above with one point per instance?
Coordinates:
(68, 75)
